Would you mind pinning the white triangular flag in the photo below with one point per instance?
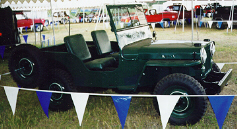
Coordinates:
(229, 23)
(220, 65)
(166, 106)
(153, 25)
(80, 101)
(210, 23)
(11, 93)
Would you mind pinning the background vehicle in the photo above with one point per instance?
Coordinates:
(166, 16)
(135, 60)
(224, 14)
(9, 35)
(179, 9)
(24, 21)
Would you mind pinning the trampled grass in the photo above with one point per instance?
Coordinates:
(100, 111)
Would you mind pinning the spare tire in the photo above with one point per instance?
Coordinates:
(27, 66)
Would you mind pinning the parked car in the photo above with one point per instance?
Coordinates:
(166, 16)
(9, 35)
(224, 14)
(134, 61)
(24, 21)
(179, 9)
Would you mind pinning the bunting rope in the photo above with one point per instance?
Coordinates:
(109, 95)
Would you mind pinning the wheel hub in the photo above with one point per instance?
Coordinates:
(183, 102)
(56, 87)
(26, 67)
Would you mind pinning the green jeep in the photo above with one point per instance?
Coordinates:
(134, 61)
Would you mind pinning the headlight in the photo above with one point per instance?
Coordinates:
(212, 48)
(203, 55)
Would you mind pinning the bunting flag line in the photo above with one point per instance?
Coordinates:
(11, 93)
(25, 38)
(80, 101)
(210, 23)
(44, 98)
(2, 49)
(220, 106)
(166, 105)
(122, 104)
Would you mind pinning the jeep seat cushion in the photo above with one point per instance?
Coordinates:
(76, 44)
(99, 64)
(101, 41)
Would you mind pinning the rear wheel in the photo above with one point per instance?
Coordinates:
(27, 66)
(59, 80)
(188, 110)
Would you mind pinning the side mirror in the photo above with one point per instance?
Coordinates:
(154, 34)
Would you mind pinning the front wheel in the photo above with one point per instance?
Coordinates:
(188, 110)
(59, 80)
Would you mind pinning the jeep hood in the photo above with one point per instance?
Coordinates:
(163, 49)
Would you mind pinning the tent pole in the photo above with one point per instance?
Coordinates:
(52, 20)
(183, 14)
(233, 6)
(192, 18)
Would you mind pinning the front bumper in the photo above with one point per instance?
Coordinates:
(215, 81)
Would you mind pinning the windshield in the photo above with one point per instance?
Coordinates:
(129, 16)
(129, 23)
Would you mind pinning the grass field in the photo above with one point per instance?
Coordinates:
(100, 111)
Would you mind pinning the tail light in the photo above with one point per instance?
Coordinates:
(0, 34)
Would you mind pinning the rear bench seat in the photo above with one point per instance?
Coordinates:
(102, 43)
(76, 45)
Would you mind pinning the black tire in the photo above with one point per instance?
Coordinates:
(59, 80)
(188, 110)
(38, 27)
(27, 66)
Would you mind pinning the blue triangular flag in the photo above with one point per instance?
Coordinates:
(174, 22)
(26, 28)
(161, 24)
(2, 49)
(219, 23)
(44, 98)
(200, 24)
(122, 104)
(25, 37)
(43, 35)
(189, 20)
(220, 106)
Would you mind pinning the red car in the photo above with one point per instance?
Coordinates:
(24, 21)
(153, 17)
(179, 9)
